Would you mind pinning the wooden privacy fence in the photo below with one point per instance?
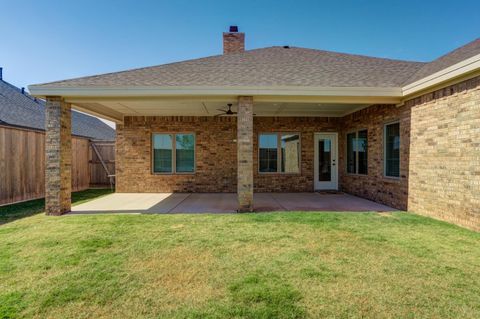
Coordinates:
(22, 164)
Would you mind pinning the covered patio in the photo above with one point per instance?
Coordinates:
(158, 203)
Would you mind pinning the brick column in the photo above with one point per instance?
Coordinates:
(245, 154)
(58, 156)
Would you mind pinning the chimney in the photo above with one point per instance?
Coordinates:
(1, 73)
(233, 41)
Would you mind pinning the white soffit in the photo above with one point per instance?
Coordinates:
(209, 108)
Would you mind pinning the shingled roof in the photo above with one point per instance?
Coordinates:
(276, 66)
(280, 66)
(467, 51)
(22, 110)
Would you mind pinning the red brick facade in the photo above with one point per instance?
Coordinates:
(439, 163)
(374, 185)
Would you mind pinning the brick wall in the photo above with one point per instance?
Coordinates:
(306, 126)
(216, 154)
(445, 154)
(439, 164)
(375, 186)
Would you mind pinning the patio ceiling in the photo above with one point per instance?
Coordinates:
(116, 108)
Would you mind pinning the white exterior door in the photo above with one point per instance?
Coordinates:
(326, 161)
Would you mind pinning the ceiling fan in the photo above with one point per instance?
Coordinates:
(227, 112)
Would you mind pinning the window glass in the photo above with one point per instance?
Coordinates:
(184, 153)
(162, 153)
(268, 157)
(325, 160)
(290, 153)
(362, 147)
(351, 158)
(392, 150)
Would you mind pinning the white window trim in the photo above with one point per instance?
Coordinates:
(174, 154)
(385, 151)
(279, 151)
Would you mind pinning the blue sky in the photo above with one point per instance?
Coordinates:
(51, 40)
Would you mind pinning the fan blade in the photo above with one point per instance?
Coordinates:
(217, 115)
(224, 111)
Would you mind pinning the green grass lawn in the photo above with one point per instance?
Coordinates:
(278, 265)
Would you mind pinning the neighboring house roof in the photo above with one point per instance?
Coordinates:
(279, 66)
(21, 109)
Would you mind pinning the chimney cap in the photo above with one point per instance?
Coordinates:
(233, 28)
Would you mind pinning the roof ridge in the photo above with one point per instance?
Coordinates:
(19, 90)
(349, 54)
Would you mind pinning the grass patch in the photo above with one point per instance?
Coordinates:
(16, 211)
(279, 265)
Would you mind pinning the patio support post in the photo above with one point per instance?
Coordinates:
(245, 154)
(58, 156)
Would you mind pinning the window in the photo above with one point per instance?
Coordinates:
(279, 153)
(392, 150)
(173, 153)
(357, 152)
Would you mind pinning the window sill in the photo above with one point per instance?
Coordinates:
(355, 175)
(278, 174)
(392, 178)
(173, 174)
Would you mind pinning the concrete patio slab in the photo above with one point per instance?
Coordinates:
(132, 203)
(327, 202)
(157, 203)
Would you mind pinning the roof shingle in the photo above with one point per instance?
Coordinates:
(273, 66)
(276, 66)
(22, 110)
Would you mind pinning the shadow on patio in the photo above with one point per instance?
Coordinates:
(157, 203)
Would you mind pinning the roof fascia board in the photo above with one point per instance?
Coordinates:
(107, 115)
(459, 69)
(42, 91)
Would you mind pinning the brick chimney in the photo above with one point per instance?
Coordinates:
(233, 41)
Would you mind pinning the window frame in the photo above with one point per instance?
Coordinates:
(385, 150)
(356, 173)
(174, 153)
(279, 152)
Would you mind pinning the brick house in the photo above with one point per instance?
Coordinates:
(286, 119)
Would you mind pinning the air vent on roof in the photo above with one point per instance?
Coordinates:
(286, 47)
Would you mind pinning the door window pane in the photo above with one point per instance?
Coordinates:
(185, 153)
(362, 151)
(392, 150)
(290, 153)
(351, 158)
(268, 149)
(324, 160)
(162, 153)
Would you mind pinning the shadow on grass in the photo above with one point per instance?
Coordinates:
(10, 213)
